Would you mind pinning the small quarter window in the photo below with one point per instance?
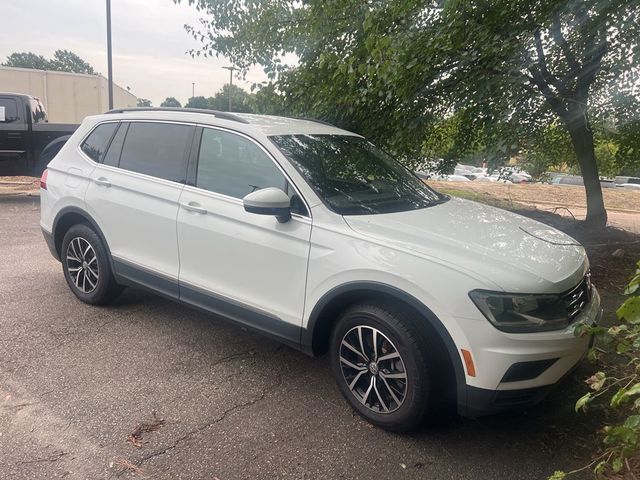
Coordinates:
(97, 142)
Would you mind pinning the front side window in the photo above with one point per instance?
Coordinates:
(157, 149)
(8, 110)
(97, 142)
(235, 166)
(353, 177)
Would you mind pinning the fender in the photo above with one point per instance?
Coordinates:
(306, 336)
(90, 221)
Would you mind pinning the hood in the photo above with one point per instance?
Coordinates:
(513, 252)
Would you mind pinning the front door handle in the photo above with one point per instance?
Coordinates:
(193, 207)
(102, 181)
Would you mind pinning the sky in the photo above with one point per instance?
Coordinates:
(148, 39)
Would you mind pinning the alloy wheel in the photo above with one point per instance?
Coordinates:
(373, 369)
(82, 264)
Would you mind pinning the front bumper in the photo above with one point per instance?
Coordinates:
(519, 370)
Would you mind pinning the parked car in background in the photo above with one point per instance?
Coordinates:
(629, 186)
(577, 180)
(486, 178)
(27, 141)
(313, 236)
(629, 183)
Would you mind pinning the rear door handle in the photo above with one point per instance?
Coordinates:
(102, 181)
(193, 207)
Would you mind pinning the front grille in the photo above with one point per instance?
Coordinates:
(578, 297)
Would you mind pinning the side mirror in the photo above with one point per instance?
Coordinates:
(269, 201)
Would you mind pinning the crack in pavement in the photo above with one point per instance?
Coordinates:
(54, 457)
(195, 431)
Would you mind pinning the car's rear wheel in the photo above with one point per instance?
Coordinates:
(379, 361)
(86, 267)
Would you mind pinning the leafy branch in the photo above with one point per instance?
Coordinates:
(617, 386)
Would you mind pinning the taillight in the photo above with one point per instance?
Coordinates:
(43, 179)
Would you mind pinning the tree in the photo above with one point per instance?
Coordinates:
(197, 102)
(268, 101)
(27, 60)
(239, 99)
(62, 61)
(390, 69)
(171, 102)
(143, 102)
(67, 61)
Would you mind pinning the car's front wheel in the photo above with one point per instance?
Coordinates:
(379, 361)
(86, 267)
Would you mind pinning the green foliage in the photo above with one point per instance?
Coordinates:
(239, 100)
(67, 61)
(197, 102)
(268, 101)
(617, 386)
(627, 137)
(391, 70)
(171, 102)
(27, 60)
(144, 102)
(62, 61)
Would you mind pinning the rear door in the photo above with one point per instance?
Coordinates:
(133, 195)
(245, 266)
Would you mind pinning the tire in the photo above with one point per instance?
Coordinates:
(86, 266)
(387, 405)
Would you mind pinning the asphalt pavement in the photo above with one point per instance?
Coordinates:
(76, 381)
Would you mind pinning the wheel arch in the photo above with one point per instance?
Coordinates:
(315, 337)
(65, 219)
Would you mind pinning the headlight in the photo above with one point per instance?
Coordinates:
(522, 313)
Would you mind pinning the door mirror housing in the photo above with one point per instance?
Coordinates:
(269, 201)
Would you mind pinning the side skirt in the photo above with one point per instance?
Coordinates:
(226, 308)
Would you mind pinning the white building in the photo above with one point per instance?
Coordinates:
(67, 97)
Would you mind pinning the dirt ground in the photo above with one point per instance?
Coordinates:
(623, 206)
(19, 185)
(543, 194)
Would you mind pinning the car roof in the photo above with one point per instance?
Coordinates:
(266, 124)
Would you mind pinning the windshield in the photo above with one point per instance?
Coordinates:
(353, 177)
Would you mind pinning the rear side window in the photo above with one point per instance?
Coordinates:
(8, 110)
(97, 142)
(157, 149)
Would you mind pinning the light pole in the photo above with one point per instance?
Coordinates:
(109, 63)
(193, 89)
(231, 69)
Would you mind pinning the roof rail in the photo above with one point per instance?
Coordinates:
(215, 113)
(308, 119)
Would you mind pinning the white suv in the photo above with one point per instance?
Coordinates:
(311, 235)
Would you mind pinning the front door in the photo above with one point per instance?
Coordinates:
(244, 266)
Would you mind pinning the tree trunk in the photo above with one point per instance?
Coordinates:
(582, 140)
